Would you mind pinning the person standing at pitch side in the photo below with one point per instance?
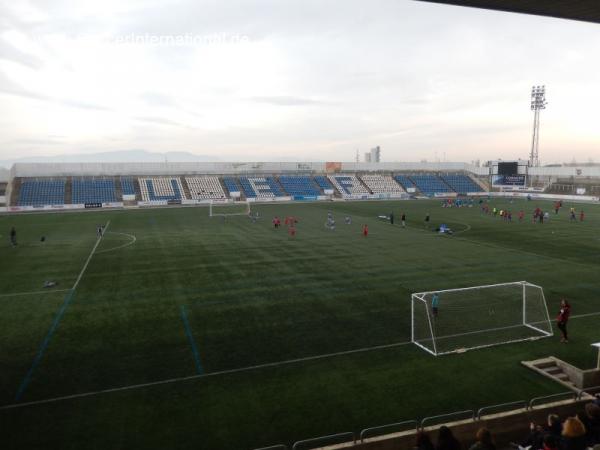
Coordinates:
(563, 318)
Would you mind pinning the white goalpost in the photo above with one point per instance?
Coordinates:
(225, 209)
(457, 320)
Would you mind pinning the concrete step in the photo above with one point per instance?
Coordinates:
(544, 363)
(553, 370)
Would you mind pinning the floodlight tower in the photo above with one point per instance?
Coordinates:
(538, 102)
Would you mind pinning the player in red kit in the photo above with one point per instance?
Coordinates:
(581, 216)
(365, 230)
(563, 318)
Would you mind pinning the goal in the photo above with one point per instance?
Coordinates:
(478, 317)
(222, 209)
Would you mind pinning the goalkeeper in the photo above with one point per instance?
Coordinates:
(435, 302)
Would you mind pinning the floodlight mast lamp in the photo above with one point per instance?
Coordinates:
(538, 102)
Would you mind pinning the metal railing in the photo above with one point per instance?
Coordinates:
(322, 441)
(442, 418)
(570, 395)
(414, 425)
(588, 391)
(502, 407)
(387, 429)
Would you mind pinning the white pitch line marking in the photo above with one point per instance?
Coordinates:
(223, 372)
(90, 257)
(126, 244)
(49, 291)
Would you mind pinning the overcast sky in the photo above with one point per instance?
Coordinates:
(295, 79)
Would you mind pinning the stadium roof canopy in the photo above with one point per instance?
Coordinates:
(586, 10)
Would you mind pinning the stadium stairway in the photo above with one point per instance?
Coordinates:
(118, 188)
(552, 368)
(225, 189)
(186, 188)
(359, 178)
(16, 191)
(69, 190)
(138, 191)
(483, 184)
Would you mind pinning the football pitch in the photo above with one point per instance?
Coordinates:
(180, 330)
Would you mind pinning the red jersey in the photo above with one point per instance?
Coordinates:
(565, 312)
(365, 230)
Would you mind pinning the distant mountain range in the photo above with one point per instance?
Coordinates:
(114, 157)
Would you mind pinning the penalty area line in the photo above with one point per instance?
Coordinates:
(222, 372)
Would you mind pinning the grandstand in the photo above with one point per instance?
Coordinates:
(299, 185)
(381, 184)
(348, 184)
(42, 192)
(205, 188)
(324, 183)
(260, 187)
(35, 186)
(128, 185)
(405, 181)
(430, 184)
(93, 190)
(157, 189)
(231, 184)
(461, 183)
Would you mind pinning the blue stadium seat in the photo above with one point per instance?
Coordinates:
(260, 187)
(461, 183)
(128, 186)
(323, 182)
(430, 184)
(231, 184)
(93, 190)
(300, 185)
(42, 192)
(404, 181)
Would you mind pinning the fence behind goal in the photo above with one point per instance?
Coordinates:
(479, 316)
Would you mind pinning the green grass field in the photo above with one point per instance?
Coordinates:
(212, 312)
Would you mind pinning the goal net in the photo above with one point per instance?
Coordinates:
(221, 209)
(456, 320)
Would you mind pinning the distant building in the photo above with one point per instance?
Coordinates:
(374, 155)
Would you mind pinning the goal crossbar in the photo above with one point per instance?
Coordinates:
(470, 288)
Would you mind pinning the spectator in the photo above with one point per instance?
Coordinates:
(573, 435)
(484, 440)
(446, 440)
(423, 442)
(550, 442)
(535, 440)
(553, 426)
(591, 421)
